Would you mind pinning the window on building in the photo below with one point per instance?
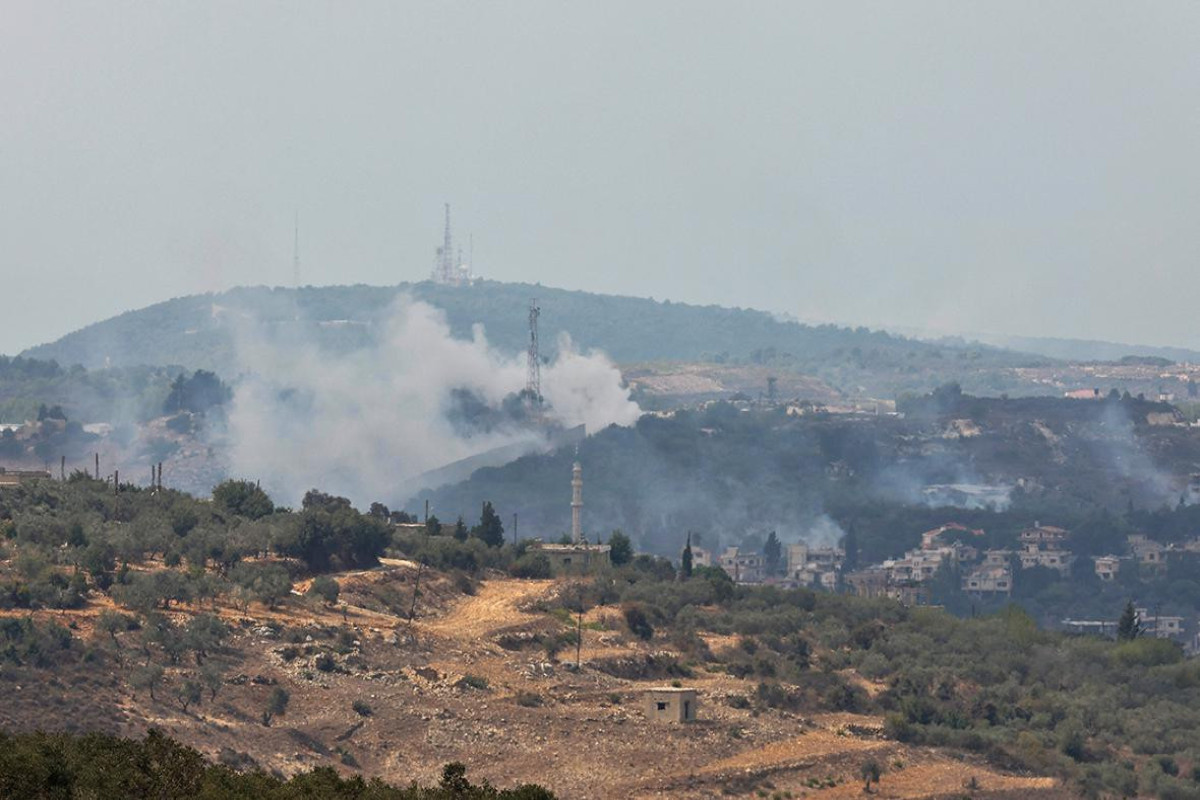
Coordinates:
(661, 706)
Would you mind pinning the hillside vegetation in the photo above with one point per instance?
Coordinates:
(730, 469)
(201, 332)
(272, 639)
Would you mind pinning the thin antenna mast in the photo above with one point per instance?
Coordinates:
(296, 254)
(447, 264)
(533, 380)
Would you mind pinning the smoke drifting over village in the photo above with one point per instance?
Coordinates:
(362, 424)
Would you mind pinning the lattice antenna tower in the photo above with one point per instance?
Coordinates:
(533, 379)
(447, 254)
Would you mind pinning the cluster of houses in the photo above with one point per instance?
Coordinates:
(991, 573)
(801, 565)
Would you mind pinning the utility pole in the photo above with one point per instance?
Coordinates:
(412, 612)
(579, 631)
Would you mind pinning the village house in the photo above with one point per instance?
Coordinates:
(910, 595)
(989, 579)
(701, 557)
(743, 567)
(1045, 546)
(937, 537)
(870, 582)
(905, 579)
(1159, 626)
(814, 566)
(1107, 567)
(1150, 555)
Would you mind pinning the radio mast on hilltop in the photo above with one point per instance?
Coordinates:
(296, 255)
(449, 268)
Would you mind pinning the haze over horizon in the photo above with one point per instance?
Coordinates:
(1015, 168)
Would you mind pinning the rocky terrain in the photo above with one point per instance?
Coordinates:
(469, 680)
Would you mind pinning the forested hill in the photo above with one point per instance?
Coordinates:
(197, 331)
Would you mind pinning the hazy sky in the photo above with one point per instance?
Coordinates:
(1016, 167)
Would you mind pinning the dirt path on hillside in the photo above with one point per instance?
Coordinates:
(496, 605)
(836, 747)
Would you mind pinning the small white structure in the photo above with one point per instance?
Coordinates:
(671, 704)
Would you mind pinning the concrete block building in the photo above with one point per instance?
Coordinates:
(670, 704)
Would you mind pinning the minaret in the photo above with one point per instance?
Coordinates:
(576, 503)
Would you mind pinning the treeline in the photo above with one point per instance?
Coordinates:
(727, 473)
(627, 328)
(69, 538)
(127, 394)
(96, 765)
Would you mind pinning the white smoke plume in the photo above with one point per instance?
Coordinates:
(360, 424)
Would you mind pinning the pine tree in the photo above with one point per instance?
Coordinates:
(773, 554)
(490, 528)
(850, 546)
(685, 570)
(1128, 627)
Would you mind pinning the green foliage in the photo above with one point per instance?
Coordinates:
(199, 393)
(325, 588)
(31, 389)
(244, 498)
(621, 551)
(96, 765)
(329, 534)
(773, 554)
(531, 565)
(268, 584)
(1128, 626)
(490, 529)
(638, 622)
(277, 703)
(475, 682)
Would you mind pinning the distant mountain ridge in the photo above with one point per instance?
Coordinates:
(1050, 346)
(196, 332)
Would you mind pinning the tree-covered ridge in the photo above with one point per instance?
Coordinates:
(108, 395)
(198, 331)
(731, 470)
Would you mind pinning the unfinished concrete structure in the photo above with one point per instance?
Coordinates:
(15, 477)
(671, 704)
(566, 559)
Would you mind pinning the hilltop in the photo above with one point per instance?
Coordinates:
(202, 332)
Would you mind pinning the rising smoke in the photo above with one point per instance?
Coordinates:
(362, 423)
